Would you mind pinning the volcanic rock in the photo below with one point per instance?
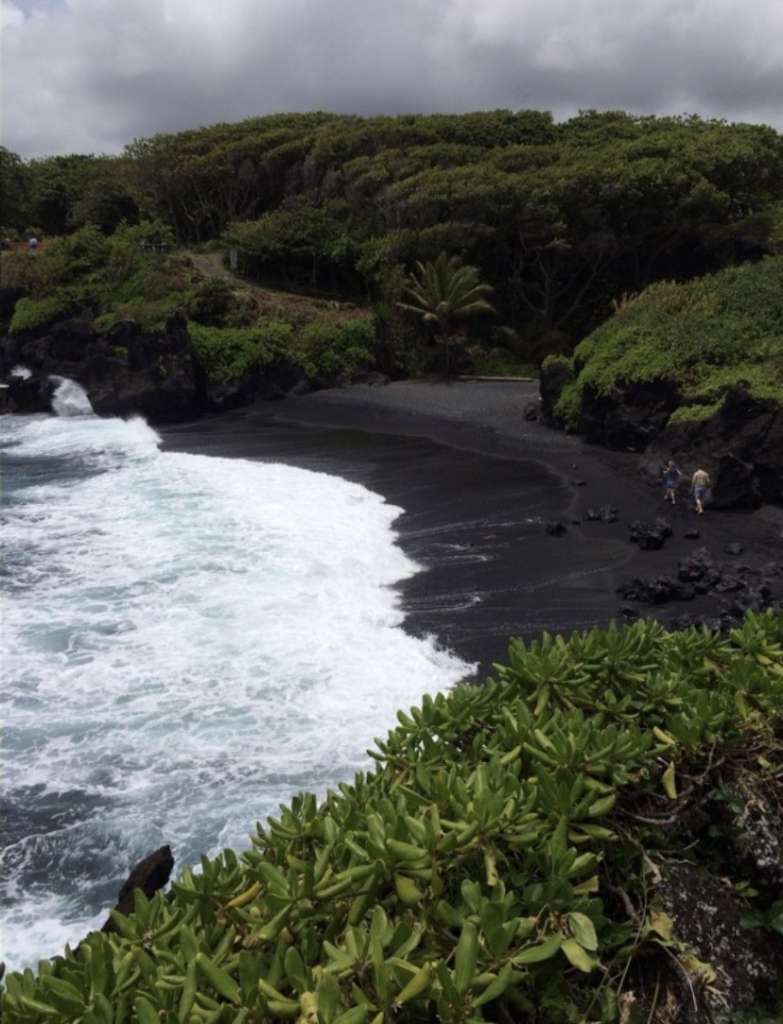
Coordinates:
(604, 514)
(149, 875)
(707, 917)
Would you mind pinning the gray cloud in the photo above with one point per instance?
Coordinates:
(90, 75)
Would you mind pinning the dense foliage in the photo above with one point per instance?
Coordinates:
(92, 275)
(325, 348)
(560, 218)
(703, 337)
(499, 863)
(131, 276)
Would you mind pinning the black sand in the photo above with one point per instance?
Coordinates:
(477, 483)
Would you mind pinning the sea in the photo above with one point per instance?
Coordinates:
(187, 642)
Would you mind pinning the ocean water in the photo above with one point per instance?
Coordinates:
(187, 643)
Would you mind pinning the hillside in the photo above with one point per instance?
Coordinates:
(147, 328)
(560, 218)
(693, 368)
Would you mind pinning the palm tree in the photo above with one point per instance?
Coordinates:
(442, 291)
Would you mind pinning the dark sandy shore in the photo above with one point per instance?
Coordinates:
(478, 483)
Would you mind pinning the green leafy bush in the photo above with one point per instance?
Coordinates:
(474, 874)
(335, 348)
(704, 336)
(32, 313)
(228, 353)
(211, 302)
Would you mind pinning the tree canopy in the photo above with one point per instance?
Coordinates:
(560, 218)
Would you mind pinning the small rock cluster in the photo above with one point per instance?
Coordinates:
(650, 537)
(699, 575)
(604, 514)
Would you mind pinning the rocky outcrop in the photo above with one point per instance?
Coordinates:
(740, 445)
(731, 967)
(733, 589)
(630, 419)
(126, 370)
(123, 370)
(149, 875)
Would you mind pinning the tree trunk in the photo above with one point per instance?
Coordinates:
(446, 341)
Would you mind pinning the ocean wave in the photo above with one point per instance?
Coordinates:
(190, 642)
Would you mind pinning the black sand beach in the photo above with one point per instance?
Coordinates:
(478, 483)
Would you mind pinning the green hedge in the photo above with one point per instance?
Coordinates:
(705, 336)
(473, 874)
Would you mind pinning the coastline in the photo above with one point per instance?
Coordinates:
(478, 483)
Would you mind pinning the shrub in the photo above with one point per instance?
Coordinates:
(228, 353)
(334, 348)
(32, 313)
(475, 873)
(211, 302)
(84, 251)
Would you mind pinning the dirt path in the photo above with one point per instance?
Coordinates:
(210, 264)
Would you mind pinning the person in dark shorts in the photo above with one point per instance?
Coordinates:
(671, 478)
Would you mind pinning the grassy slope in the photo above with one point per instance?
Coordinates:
(475, 874)
(704, 335)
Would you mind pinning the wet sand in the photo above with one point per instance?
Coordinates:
(477, 483)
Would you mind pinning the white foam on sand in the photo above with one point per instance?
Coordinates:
(189, 641)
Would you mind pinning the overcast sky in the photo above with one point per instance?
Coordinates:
(90, 75)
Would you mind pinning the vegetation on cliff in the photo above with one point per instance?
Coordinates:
(519, 851)
(560, 218)
(131, 275)
(695, 340)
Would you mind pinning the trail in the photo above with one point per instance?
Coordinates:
(210, 264)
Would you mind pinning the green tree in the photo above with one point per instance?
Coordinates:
(14, 199)
(442, 291)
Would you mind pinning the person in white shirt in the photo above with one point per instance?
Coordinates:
(700, 483)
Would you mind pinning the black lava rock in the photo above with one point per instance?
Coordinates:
(604, 514)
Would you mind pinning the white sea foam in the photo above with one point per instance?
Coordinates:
(70, 398)
(189, 642)
(21, 371)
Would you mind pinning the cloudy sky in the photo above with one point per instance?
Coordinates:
(90, 75)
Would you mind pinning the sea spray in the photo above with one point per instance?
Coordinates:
(69, 398)
(190, 642)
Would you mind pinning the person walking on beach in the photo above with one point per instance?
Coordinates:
(671, 477)
(699, 484)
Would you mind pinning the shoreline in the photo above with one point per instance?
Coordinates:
(477, 484)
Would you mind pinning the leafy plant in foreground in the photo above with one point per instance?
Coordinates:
(474, 874)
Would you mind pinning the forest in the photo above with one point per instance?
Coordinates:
(565, 221)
